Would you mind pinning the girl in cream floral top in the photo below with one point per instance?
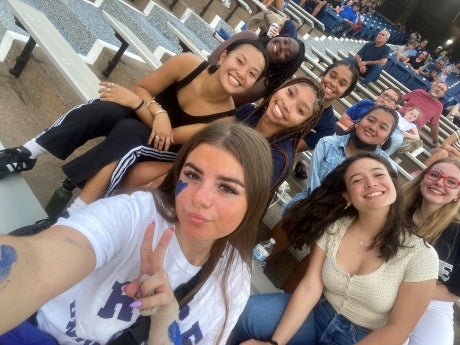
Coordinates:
(369, 279)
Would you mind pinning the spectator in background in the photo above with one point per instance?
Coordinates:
(444, 73)
(408, 131)
(423, 45)
(431, 107)
(336, 5)
(415, 62)
(414, 36)
(449, 148)
(349, 16)
(454, 113)
(432, 69)
(455, 68)
(278, 4)
(435, 54)
(406, 51)
(447, 55)
(261, 22)
(389, 97)
(371, 58)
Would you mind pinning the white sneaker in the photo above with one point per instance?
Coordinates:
(226, 3)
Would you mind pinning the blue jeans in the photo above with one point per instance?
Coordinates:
(322, 326)
(372, 73)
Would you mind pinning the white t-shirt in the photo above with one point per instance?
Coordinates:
(96, 309)
(405, 125)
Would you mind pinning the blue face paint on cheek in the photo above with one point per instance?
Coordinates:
(174, 334)
(7, 259)
(181, 185)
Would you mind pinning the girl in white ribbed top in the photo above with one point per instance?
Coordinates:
(370, 277)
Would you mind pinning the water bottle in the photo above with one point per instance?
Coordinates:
(271, 29)
(261, 251)
(60, 199)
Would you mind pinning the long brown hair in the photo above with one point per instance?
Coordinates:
(251, 150)
(307, 220)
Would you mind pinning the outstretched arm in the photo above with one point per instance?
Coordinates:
(34, 269)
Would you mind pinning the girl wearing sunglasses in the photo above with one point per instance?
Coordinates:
(432, 199)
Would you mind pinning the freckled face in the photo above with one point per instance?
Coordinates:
(369, 185)
(435, 191)
(211, 198)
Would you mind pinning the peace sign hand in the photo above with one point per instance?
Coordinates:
(152, 289)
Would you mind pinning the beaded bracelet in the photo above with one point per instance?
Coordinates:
(139, 106)
(152, 101)
(159, 112)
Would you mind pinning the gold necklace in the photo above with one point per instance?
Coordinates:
(351, 228)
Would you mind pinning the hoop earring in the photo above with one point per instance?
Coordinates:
(347, 205)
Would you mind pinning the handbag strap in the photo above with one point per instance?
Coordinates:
(139, 330)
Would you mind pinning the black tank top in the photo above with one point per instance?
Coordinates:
(168, 100)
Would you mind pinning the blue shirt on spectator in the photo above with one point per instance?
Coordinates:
(369, 52)
(349, 14)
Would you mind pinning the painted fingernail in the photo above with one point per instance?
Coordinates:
(136, 304)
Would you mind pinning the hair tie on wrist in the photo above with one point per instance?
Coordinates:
(139, 106)
(273, 342)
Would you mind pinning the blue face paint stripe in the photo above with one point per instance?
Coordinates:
(174, 334)
(181, 185)
(7, 258)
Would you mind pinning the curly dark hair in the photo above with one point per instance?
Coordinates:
(307, 220)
